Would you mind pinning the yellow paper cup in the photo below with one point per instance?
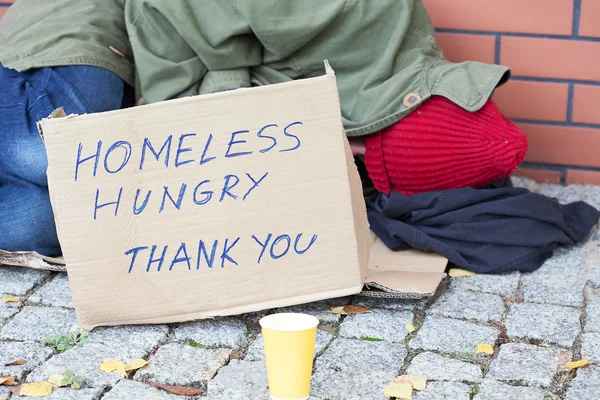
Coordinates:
(289, 348)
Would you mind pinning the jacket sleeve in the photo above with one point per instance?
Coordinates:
(185, 48)
(166, 65)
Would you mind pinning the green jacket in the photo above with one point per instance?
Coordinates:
(383, 52)
(47, 33)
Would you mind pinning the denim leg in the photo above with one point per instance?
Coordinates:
(26, 218)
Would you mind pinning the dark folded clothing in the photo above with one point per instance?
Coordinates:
(493, 230)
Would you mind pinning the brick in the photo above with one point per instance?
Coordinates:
(575, 176)
(590, 14)
(539, 175)
(531, 16)
(585, 104)
(461, 47)
(551, 58)
(533, 100)
(562, 145)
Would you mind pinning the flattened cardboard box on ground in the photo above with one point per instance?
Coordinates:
(210, 205)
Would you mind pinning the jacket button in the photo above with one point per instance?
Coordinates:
(411, 99)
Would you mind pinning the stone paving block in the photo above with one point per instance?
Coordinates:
(594, 276)
(127, 343)
(33, 353)
(19, 281)
(366, 385)
(356, 356)
(444, 391)
(592, 320)
(68, 394)
(504, 285)
(491, 389)
(452, 336)
(256, 351)
(319, 309)
(183, 365)
(390, 304)
(590, 346)
(4, 393)
(553, 289)
(85, 361)
(547, 323)
(218, 332)
(522, 182)
(525, 364)
(37, 323)
(586, 385)
(243, 380)
(56, 293)
(142, 337)
(382, 324)
(566, 194)
(7, 310)
(566, 262)
(437, 368)
(132, 390)
(465, 304)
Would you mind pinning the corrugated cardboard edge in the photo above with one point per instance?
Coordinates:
(268, 305)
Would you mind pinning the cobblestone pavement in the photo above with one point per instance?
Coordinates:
(536, 322)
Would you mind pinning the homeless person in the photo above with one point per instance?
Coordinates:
(62, 53)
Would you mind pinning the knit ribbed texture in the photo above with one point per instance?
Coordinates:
(442, 146)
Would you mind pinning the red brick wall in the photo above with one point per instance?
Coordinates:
(553, 49)
(4, 4)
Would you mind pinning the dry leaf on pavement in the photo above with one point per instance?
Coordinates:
(410, 328)
(36, 389)
(347, 310)
(10, 299)
(485, 348)
(16, 362)
(135, 365)
(178, 390)
(113, 366)
(401, 391)
(7, 380)
(577, 364)
(417, 382)
(460, 273)
(57, 380)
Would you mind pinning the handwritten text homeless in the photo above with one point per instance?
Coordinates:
(175, 153)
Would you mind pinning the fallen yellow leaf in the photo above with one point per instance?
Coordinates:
(135, 365)
(347, 310)
(7, 380)
(37, 389)
(410, 328)
(485, 348)
(56, 380)
(10, 299)
(401, 391)
(460, 273)
(577, 364)
(417, 382)
(113, 366)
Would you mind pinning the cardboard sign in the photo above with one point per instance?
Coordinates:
(209, 205)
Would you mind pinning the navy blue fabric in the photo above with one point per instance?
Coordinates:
(493, 230)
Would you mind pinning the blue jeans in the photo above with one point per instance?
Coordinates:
(26, 218)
